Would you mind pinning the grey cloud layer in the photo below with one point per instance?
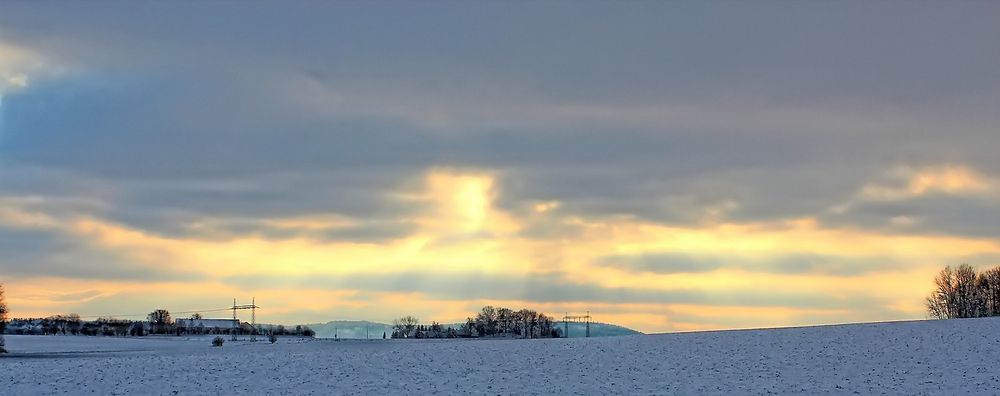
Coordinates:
(670, 113)
(473, 285)
(801, 263)
(26, 254)
(976, 217)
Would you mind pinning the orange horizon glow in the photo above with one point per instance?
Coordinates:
(463, 233)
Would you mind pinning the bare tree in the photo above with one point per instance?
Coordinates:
(941, 303)
(968, 295)
(544, 325)
(469, 328)
(3, 319)
(404, 326)
(486, 321)
(159, 320)
(527, 318)
(957, 294)
(75, 323)
(988, 284)
(506, 320)
(489, 322)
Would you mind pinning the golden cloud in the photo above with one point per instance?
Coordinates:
(461, 230)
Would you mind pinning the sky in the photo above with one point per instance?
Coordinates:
(666, 166)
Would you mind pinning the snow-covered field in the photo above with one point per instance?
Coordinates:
(925, 357)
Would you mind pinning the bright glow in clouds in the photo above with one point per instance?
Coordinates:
(15, 64)
(948, 179)
(462, 233)
(786, 164)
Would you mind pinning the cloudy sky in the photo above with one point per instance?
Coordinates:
(666, 166)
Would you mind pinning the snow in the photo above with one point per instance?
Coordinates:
(921, 357)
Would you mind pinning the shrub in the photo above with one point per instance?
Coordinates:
(217, 342)
(273, 338)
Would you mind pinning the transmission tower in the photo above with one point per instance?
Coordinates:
(253, 318)
(576, 319)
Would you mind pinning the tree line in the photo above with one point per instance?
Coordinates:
(157, 322)
(489, 322)
(963, 292)
(72, 325)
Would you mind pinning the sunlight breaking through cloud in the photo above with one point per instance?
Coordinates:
(668, 175)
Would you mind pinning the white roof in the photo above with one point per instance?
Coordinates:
(219, 323)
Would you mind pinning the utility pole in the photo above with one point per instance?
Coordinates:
(236, 322)
(565, 325)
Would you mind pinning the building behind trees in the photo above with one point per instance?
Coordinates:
(158, 322)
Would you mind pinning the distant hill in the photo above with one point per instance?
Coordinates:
(355, 329)
(577, 330)
(351, 329)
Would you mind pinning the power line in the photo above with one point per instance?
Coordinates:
(146, 314)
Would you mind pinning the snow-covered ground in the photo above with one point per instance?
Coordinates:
(924, 357)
